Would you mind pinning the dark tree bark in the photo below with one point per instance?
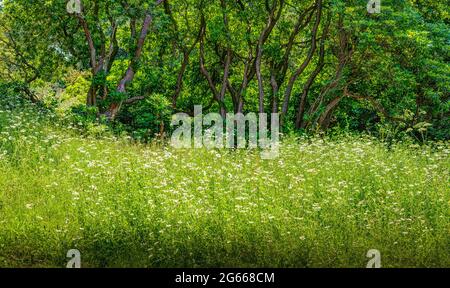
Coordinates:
(103, 61)
(279, 70)
(203, 69)
(21, 62)
(321, 63)
(218, 95)
(305, 63)
(274, 16)
(344, 56)
(186, 50)
(131, 71)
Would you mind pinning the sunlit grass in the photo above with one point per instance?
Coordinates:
(322, 203)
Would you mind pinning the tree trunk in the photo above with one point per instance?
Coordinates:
(129, 75)
(302, 103)
(259, 50)
(324, 120)
(305, 63)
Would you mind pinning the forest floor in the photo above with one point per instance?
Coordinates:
(321, 203)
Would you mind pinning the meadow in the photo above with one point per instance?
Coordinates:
(324, 202)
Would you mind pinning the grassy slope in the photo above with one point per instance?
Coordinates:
(321, 203)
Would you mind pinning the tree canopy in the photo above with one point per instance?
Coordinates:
(319, 63)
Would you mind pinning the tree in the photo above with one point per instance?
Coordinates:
(319, 63)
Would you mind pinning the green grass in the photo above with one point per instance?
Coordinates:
(322, 203)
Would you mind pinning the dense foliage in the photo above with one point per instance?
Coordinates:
(321, 64)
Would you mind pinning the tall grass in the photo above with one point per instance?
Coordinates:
(322, 203)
